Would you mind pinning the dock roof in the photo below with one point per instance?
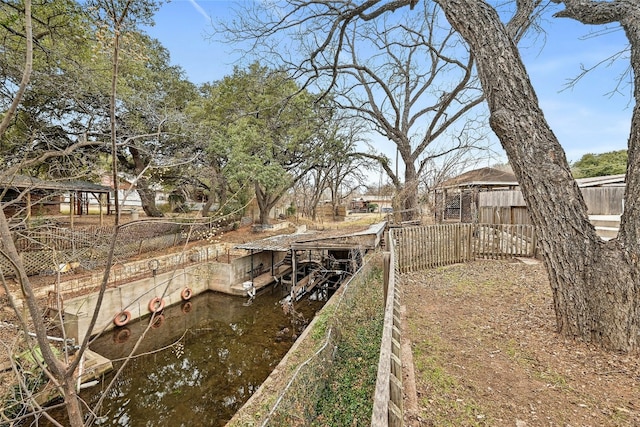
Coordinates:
(368, 238)
(29, 182)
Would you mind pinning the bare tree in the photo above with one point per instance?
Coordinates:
(407, 75)
(594, 283)
(445, 166)
(339, 164)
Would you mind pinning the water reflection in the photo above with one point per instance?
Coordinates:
(215, 351)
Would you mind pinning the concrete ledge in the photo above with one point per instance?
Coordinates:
(136, 295)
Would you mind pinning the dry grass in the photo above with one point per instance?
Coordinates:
(486, 353)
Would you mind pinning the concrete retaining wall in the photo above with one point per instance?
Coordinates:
(135, 296)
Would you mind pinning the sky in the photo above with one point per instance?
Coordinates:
(586, 118)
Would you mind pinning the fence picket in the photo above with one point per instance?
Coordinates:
(431, 246)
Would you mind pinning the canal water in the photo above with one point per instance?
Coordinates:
(198, 363)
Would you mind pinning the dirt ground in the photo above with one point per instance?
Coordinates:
(486, 353)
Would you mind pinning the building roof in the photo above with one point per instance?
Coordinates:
(369, 238)
(481, 177)
(495, 177)
(373, 198)
(280, 243)
(28, 182)
(598, 181)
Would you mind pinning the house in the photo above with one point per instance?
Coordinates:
(456, 199)
(371, 203)
(493, 196)
(128, 196)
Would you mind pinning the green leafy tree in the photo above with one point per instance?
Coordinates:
(65, 98)
(153, 126)
(211, 172)
(265, 132)
(590, 165)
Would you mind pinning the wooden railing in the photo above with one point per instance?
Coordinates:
(420, 248)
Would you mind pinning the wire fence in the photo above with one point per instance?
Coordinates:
(50, 249)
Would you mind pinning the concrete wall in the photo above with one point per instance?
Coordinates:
(133, 270)
(133, 297)
(136, 295)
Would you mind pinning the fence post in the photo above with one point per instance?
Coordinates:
(386, 261)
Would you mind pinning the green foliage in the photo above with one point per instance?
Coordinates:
(347, 398)
(63, 94)
(291, 210)
(263, 130)
(610, 163)
(320, 327)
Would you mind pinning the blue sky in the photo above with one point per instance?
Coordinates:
(584, 118)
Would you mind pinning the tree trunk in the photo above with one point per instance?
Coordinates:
(409, 193)
(206, 207)
(218, 189)
(594, 283)
(147, 195)
(265, 204)
(263, 217)
(72, 403)
(148, 199)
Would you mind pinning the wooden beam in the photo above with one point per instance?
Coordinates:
(72, 205)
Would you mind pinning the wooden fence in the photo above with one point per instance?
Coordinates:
(387, 402)
(504, 215)
(604, 200)
(509, 207)
(419, 248)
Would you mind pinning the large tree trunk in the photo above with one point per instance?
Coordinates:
(148, 199)
(409, 193)
(147, 195)
(265, 203)
(206, 207)
(594, 283)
